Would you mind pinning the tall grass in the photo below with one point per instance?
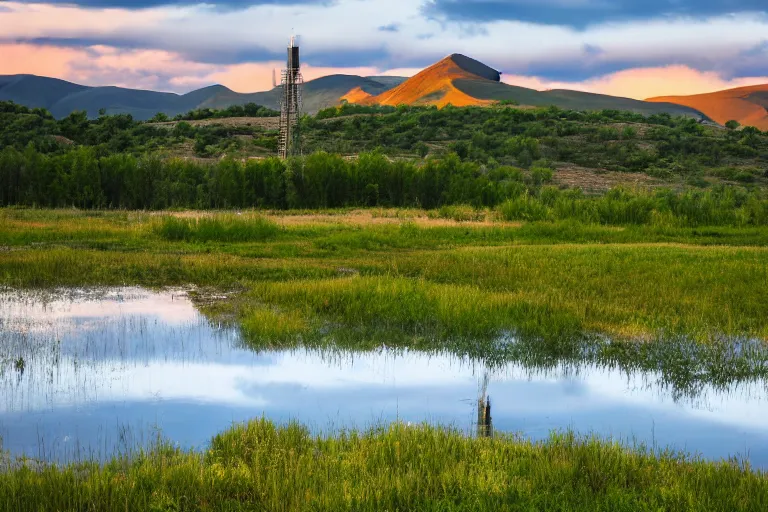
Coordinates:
(384, 305)
(260, 466)
(220, 228)
(622, 207)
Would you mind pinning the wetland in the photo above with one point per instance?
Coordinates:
(335, 359)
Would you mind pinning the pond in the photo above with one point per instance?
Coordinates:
(94, 373)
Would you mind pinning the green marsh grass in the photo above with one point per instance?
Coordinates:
(261, 466)
(220, 228)
(417, 307)
(545, 278)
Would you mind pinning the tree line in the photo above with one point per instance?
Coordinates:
(82, 179)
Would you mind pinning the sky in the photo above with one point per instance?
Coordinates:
(630, 48)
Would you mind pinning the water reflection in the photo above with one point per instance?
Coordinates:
(91, 373)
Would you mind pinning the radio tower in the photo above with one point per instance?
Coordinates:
(290, 104)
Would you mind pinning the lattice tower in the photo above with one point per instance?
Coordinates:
(289, 142)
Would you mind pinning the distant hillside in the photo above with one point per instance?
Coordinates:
(747, 105)
(61, 97)
(461, 81)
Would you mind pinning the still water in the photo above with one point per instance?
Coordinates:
(94, 373)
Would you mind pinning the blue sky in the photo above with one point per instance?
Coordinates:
(586, 44)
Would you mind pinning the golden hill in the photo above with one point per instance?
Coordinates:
(435, 85)
(747, 105)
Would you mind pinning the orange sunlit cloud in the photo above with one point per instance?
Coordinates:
(642, 83)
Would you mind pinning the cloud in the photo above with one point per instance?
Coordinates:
(100, 65)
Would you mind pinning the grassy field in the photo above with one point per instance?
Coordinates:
(259, 466)
(414, 271)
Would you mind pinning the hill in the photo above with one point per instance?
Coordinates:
(61, 97)
(747, 105)
(462, 81)
(436, 85)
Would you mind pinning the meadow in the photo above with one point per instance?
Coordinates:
(414, 270)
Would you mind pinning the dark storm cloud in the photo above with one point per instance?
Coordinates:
(392, 27)
(581, 13)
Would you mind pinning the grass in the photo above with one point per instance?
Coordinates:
(452, 279)
(259, 466)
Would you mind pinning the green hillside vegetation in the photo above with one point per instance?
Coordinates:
(659, 145)
(406, 156)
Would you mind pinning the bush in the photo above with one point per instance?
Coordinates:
(744, 177)
(541, 175)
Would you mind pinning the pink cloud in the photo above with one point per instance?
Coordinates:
(36, 60)
(98, 65)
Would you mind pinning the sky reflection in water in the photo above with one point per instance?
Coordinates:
(105, 371)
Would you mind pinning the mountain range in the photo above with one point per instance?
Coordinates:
(457, 79)
(61, 97)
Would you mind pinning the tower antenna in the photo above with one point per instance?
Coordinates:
(289, 143)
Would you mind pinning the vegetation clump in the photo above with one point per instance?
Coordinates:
(230, 228)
